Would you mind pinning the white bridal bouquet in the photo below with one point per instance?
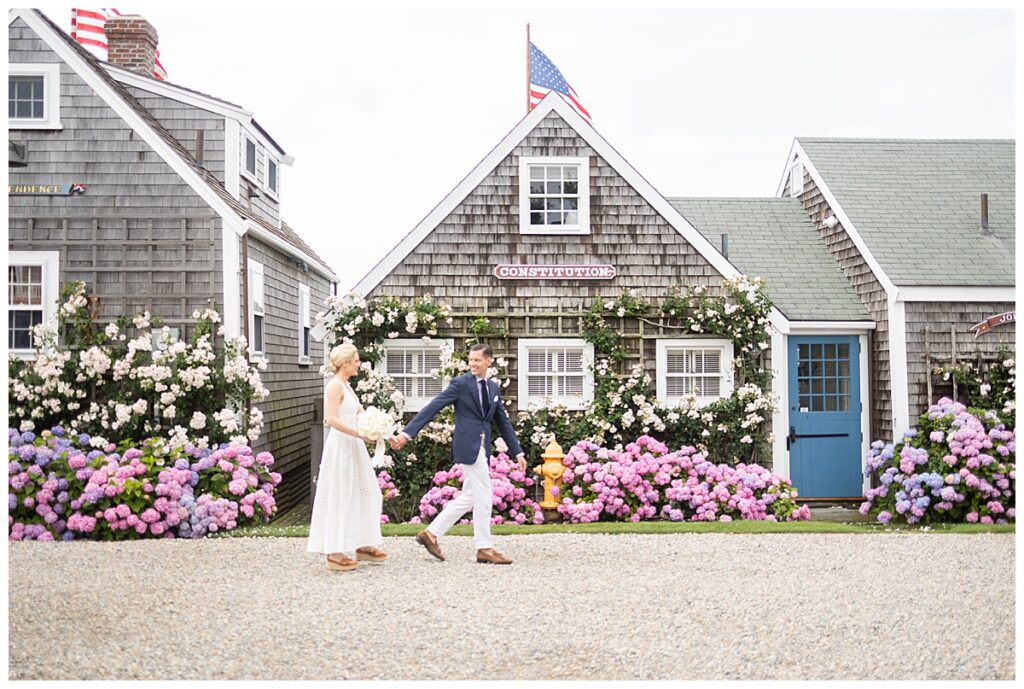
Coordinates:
(376, 424)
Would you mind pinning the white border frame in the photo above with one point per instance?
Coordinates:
(571, 403)
(256, 268)
(582, 164)
(49, 261)
(662, 346)
(304, 321)
(415, 404)
(51, 94)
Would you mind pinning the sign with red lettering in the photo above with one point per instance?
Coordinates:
(993, 322)
(525, 271)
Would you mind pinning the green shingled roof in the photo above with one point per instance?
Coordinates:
(916, 203)
(774, 238)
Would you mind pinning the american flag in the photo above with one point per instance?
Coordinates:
(545, 77)
(87, 29)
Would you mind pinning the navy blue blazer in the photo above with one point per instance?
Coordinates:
(472, 426)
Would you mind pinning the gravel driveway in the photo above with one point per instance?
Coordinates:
(680, 606)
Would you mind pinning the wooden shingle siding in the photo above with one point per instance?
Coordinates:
(455, 262)
(942, 319)
(140, 237)
(871, 293)
(296, 397)
(182, 120)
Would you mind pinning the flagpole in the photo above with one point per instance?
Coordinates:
(527, 68)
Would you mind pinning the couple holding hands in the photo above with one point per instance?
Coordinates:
(347, 504)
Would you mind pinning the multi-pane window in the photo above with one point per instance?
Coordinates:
(304, 323)
(26, 97)
(33, 96)
(693, 368)
(257, 309)
(25, 296)
(250, 157)
(272, 176)
(412, 365)
(555, 370)
(553, 195)
(823, 377)
(32, 285)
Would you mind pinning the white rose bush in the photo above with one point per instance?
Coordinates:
(138, 434)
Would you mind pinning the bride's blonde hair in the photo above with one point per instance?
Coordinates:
(342, 354)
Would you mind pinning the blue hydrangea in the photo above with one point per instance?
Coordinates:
(923, 502)
(28, 436)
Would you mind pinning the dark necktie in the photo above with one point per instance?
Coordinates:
(483, 396)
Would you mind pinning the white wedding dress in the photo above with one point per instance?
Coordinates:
(348, 501)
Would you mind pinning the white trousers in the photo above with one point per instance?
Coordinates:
(476, 494)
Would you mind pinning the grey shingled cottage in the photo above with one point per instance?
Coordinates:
(178, 209)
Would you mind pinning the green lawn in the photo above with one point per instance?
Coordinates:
(737, 527)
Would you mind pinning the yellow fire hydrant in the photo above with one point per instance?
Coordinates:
(552, 470)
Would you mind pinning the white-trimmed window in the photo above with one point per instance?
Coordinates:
(257, 309)
(556, 370)
(304, 329)
(796, 179)
(409, 364)
(32, 286)
(554, 195)
(272, 171)
(249, 158)
(702, 368)
(33, 96)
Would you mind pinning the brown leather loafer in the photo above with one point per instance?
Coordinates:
(492, 557)
(430, 544)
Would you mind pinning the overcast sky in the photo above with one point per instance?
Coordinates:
(386, 111)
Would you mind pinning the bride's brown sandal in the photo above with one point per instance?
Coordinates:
(343, 565)
(371, 554)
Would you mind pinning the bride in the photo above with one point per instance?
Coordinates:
(347, 505)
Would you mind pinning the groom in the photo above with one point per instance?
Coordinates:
(477, 403)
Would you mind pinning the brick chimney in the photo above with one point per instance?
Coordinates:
(131, 44)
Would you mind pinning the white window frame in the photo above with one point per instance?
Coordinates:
(255, 269)
(51, 94)
(304, 324)
(796, 178)
(413, 404)
(49, 261)
(571, 403)
(583, 208)
(272, 191)
(246, 140)
(661, 362)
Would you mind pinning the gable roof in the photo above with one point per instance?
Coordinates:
(204, 182)
(808, 284)
(916, 204)
(552, 102)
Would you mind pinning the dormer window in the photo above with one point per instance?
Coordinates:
(554, 195)
(272, 176)
(796, 179)
(250, 157)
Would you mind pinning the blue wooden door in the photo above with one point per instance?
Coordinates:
(824, 416)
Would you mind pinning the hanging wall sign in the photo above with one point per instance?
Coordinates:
(69, 189)
(993, 322)
(525, 271)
